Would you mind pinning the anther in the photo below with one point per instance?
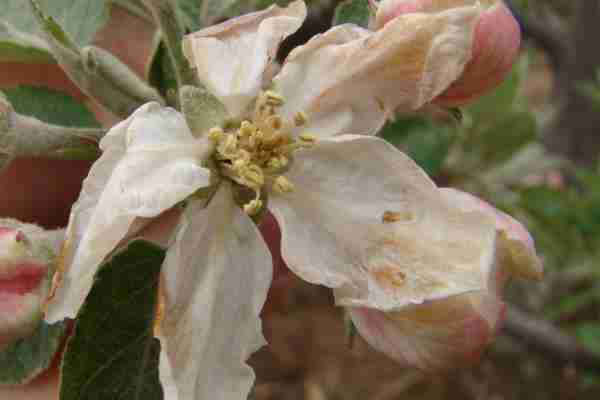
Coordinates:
(253, 207)
(273, 99)
(300, 118)
(308, 138)
(275, 122)
(247, 129)
(215, 134)
(283, 185)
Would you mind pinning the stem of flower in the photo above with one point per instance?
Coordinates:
(165, 16)
(22, 136)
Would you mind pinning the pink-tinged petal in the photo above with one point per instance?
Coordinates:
(349, 80)
(497, 39)
(231, 58)
(435, 335)
(365, 220)
(496, 48)
(516, 252)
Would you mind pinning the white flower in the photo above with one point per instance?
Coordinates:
(356, 214)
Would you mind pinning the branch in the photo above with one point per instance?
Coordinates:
(552, 41)
(550, 341)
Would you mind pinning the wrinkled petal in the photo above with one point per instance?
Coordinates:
(217, 275)
(348, 80)
(366, 220)
(150, 162)
(231, 58)
(516, 249)
(435, 335)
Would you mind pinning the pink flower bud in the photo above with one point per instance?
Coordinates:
(455, 330)
(26, 252)
(495, 46)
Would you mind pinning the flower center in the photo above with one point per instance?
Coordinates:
(256, 153)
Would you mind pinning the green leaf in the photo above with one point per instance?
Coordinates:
(501, 100)
(504, 139)
(190, 12)
(213, 10)
(29, 357)
(21, 38)
(589, 335)
(17, 46)
(353, 12)
(113, 354)
(50, 106)
(425, 142)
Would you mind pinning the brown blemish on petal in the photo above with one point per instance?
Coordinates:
(393, 216)
(58, 275)
(389, 277)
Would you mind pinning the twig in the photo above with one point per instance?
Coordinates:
(544, 337)
(552, 41)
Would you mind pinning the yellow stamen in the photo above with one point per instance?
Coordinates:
(300, 118)
(215, 134)
(273, 99)
(308, 138)
(253, 207)
(283, 185)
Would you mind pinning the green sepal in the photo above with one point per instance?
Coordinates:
(356, 12)
(25, 359)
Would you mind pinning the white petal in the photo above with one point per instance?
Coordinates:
(516, 248)
(150, 163)
(337, 230)
(217, 276)
(348, 80)
(231, 58)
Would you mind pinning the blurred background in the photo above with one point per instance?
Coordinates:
(531, 148)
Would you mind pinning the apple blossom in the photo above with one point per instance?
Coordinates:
(26, 254)
(355, 213)
(495, 46)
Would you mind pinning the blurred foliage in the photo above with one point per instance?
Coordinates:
(592, 89)
(494, 152)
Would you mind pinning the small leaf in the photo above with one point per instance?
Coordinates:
(50, 106)
(426, 143)
(21, 39)
(589, 334)
(353, 12)
(29, 357)
(213, 10)
(190, 11)
(113, 353)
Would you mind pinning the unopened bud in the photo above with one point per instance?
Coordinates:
(26, 252)
(495, 47)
